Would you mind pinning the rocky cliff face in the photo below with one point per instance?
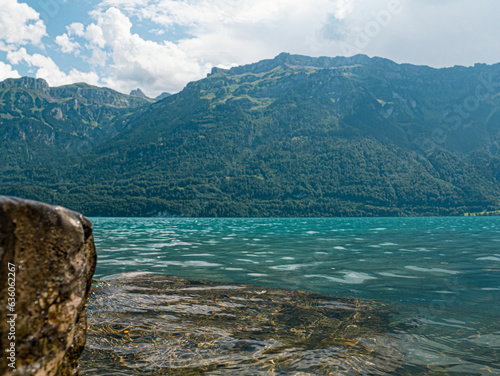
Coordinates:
(27, 83)
(47, 260)
(137, 93)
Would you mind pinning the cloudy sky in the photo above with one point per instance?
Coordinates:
(160, 45)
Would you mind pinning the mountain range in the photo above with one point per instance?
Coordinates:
(289, 136)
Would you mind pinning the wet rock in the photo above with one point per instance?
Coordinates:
(52, 252)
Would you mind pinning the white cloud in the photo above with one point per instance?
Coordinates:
(228, 32)
(358, 25)
(99, 57)
(6, 71)
(442, 33)
(221, 33)
(67, 45)
(136, 62)
(200, 34)
(20, 24)
(95, 36)
(435, 33)
(157, 31)
(115, 26)
(76, 28)
(47, 69)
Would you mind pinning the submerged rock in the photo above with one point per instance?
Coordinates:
(48, 258)
(163, 325)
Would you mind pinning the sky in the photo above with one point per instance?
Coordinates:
(161, 45)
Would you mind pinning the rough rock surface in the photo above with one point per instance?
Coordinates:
(54, 255)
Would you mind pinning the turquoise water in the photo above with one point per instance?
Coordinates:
(442, 275)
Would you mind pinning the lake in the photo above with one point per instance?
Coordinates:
(433, 284)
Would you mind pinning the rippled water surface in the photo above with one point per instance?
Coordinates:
(438, 277)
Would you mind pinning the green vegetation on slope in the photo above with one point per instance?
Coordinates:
(292, 136)
(39, 123)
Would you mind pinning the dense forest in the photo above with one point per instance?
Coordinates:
(291, 136)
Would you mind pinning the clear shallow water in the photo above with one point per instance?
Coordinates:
(442, 275)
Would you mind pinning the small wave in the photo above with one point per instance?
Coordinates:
(246, 260)
(125, 275)
(387, 274)
(159, 264)
(200, 263)
(492, 340)
(431, 270)
(440, 323)
(198, 254)
(490, 258)
(349, 277)
(288, 267)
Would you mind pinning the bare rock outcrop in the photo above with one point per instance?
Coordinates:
(47, 260)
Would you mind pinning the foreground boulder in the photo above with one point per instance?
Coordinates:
(47, 260)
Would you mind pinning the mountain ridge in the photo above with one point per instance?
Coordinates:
(297, 136)
(57, 121)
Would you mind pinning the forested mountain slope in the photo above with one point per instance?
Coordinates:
(293, 136)
(39, 123)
